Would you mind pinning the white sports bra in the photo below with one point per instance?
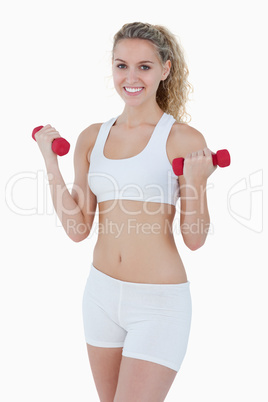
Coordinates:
(147, 176)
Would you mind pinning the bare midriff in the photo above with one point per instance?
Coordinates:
(136, 243)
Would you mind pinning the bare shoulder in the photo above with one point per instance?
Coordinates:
(185, 139)
(86, 140)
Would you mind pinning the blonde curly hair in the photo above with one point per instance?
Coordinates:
(172, 93)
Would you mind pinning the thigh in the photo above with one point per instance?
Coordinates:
(143, 381)
(100, 330)
(158, 325)
(105, 365)
(99, 310)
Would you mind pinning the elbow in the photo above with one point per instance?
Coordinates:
(195, 238)
(194, 244)
(77, 238)
(78, 233)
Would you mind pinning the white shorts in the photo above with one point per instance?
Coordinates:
(149, 321)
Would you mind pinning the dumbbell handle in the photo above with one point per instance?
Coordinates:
(221, 158)
(59, 146)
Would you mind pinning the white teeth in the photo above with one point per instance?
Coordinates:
(133, 89)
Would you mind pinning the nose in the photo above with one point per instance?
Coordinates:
(132, 76)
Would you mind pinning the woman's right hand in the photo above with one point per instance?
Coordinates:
(44, 139)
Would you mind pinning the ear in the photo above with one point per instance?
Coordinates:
(166, 70)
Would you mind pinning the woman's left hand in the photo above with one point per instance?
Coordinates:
(198, 166)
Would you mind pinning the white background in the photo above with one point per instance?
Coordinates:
(55, 70)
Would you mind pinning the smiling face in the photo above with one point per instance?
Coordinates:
(137, 71)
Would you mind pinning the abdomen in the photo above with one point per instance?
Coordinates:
(136, 244)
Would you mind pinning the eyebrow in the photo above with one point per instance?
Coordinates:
(140, 62)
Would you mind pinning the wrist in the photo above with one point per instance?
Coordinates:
(197, 183)
(51, 164)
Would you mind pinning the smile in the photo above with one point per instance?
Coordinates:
(133, 90)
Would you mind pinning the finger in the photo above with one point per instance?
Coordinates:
(47, 136)
(47, 130)
(50, 130)
(207, 152)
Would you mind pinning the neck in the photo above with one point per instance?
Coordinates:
(133, 116)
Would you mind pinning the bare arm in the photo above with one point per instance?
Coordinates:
(76, 211)
(194, 215)
(81, 192)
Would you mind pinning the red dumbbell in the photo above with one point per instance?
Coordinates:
(59, 146)
(221, 158)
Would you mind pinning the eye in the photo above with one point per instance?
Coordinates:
(145, 68)
(121, 66)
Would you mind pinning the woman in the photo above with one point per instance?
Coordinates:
(137, 302)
